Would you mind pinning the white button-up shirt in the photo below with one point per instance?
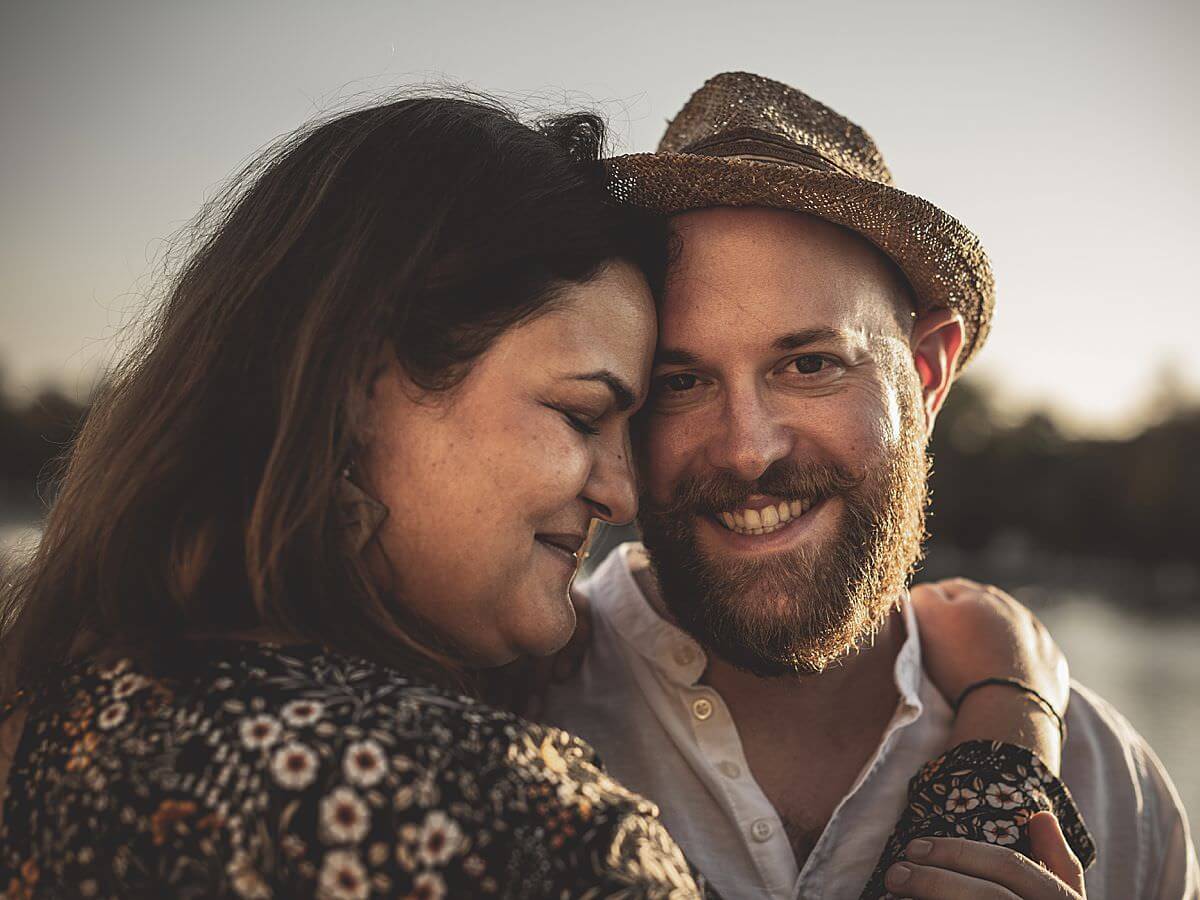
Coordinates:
(637, 699)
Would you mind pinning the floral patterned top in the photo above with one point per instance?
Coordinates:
(301, 772)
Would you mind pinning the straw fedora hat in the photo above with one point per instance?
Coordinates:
(745, 140)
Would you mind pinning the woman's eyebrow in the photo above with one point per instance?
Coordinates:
(623, 395)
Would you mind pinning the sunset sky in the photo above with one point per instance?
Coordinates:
(1064, 134)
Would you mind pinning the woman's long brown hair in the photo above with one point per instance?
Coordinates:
(200, 496)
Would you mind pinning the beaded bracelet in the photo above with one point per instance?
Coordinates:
(1019, 685)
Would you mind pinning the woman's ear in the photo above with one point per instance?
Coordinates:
(937, 340)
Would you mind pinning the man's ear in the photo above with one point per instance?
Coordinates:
(937, 339)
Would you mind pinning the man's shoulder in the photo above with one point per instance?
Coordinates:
(1127, 800)
(1101, 741)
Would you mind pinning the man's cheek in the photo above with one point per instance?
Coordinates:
(660, 464)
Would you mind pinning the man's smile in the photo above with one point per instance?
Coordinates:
(761, 525)
(762, 515)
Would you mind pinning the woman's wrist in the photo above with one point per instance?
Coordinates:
(1001, 713)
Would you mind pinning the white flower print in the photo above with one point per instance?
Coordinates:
(127, 685)
(112, 716)
(294, 765)
(111, 672)
(440, 839)
(1000, 831)
(307, 758)
(406, 846)
(260, 732)
(567, 791)
(428, 886)
(343, 877)
(1002, 795)
(344, 817)
(246, 879)
(474, 865)
(961, 800)
(364, 763)
(292, 846)
(404, 798)
(301, 713)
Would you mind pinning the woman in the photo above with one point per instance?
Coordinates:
(349, 473)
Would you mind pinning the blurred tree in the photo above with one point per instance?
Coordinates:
(1135, 499)
(993, 483)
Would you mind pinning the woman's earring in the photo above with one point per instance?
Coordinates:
(361, 514)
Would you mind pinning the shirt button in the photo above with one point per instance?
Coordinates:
(761, 830)
(684, 654)
(702, 708)
(730, 769)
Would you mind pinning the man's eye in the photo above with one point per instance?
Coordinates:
(810, 364)
(681, 381)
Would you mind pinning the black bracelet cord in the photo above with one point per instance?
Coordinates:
(1019, 685)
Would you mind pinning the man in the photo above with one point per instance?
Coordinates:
(754, 670)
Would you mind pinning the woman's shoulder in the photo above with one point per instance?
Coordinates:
(292, 769)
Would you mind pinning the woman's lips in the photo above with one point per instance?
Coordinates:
(565, 545)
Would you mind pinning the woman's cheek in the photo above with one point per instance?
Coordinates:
(566, 466)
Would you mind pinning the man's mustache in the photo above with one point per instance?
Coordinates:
(785, 479)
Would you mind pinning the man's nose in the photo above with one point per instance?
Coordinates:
(750, 437)
(611, 490)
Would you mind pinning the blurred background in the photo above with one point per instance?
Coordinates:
(1067, 462)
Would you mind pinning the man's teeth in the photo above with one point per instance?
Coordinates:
(765, 520)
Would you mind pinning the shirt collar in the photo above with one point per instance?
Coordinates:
(680, 660)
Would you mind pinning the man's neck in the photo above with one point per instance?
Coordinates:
(854, 688)
(807, 738)
(850, 696)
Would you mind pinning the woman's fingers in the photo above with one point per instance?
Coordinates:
(1051, 849)
(1002, 873)
(930, 883)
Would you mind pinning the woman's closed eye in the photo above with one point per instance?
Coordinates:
(579, 421)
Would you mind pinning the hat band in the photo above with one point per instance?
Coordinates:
(761, 146)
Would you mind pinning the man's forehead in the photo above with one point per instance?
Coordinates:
(759, 274)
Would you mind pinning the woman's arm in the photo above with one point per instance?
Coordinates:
(1000, 769)
(972, 632)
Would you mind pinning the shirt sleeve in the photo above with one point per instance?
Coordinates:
(1180, 875)
(982, 791)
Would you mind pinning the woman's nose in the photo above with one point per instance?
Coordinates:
(611, 489)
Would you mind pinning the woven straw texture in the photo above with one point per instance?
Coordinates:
(745, 140)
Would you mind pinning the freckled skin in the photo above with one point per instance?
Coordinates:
(745, 277)
(471, 477)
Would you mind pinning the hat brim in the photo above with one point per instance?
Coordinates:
(943, 260)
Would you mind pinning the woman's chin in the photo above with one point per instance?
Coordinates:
(545, 627)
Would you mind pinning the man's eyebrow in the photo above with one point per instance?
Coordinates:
(790, 341)
(669, 357)
(623, 394)
(796, 339)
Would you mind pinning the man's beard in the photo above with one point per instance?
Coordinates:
(798, 610)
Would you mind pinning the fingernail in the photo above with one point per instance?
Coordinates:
(918, 849)
(898, 874)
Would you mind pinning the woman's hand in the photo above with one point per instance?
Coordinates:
(957, 869)
(970, 632)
